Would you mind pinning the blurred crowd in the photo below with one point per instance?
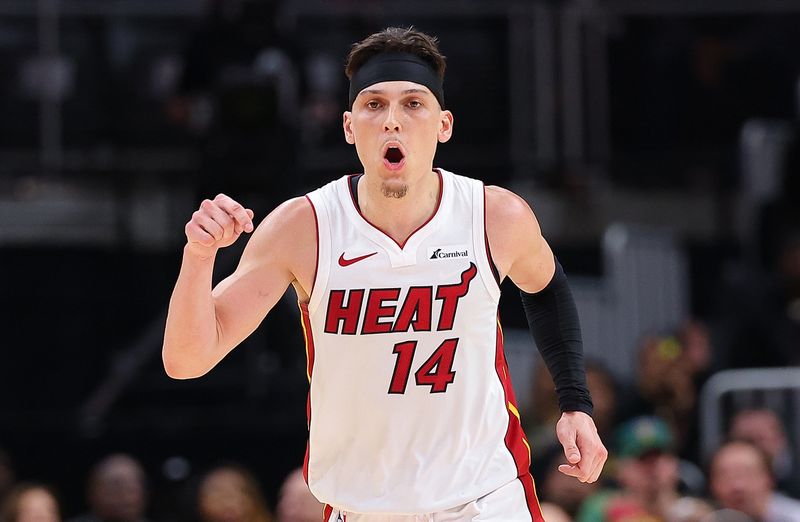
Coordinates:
(117, 491)
(657, 471)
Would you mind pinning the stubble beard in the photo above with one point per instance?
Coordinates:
(395, 192)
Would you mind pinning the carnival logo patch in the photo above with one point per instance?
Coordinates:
(448, 252)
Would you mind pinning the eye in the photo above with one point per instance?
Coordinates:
(415, 104)
(373, 104)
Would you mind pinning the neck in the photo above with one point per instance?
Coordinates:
(399, 217)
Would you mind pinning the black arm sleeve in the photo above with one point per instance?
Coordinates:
(553, 321)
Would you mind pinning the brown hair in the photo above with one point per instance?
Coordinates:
(398, 40)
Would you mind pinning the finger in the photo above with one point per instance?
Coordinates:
(571, 451)
(195, 231)
(211, 226)
(595, 458)
(595, 474)
(219, 215)
(236, 211)
(196, 234)
(570, 470)
(581, 471)
(591, 470)
(567, 436)
(601, 462)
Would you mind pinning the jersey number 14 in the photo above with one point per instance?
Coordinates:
(437, 372)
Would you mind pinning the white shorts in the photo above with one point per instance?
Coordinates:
(505, 504)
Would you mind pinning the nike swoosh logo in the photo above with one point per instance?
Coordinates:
(348, 262)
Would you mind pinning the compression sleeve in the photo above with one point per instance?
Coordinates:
(553, 321)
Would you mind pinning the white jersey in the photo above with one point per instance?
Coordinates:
(410, 405)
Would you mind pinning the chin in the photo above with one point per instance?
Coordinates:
(394, 189)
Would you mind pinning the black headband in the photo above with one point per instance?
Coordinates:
(390, 67)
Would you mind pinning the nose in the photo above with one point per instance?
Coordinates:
(391, 123)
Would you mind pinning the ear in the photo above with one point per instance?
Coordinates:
(445, 126)
(347, 126)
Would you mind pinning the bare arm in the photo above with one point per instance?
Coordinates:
(521, 253)
(204, 325)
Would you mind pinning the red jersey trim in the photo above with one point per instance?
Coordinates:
(403, 244)
(495, 272)
(316, 261)
(515, 440)
(309, 342)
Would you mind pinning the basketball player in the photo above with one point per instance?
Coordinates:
(397, 271)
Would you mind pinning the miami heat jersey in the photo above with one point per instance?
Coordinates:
(410, 405)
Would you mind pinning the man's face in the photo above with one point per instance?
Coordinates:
(396, 127)
(118, 491)
(649, 473)
(223, 497)
(37, 505)
(762, 428)
(739, 480)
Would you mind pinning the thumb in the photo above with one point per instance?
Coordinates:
(571, 452)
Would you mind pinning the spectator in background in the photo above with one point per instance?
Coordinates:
(604, 395)
(764, 428)
(740, 477)
(116, 491)
(30, 503)
(295, 501)
(648, 478)
(666, 388)
(696, 357)
(670, 370)
(696, 349)
(230, 493)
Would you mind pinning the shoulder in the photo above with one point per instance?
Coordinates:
(290, 215)
(505, 209)
(289, 227)
(515, 240)
(285, 241)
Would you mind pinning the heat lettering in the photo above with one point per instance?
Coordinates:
(415, 312)
(348, 314)
(376, 310)
(450, 294)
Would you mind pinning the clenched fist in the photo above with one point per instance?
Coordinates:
(217, 224)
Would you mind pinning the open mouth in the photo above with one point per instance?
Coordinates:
(393, 155)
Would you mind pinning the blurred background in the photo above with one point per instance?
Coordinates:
(656, 140)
